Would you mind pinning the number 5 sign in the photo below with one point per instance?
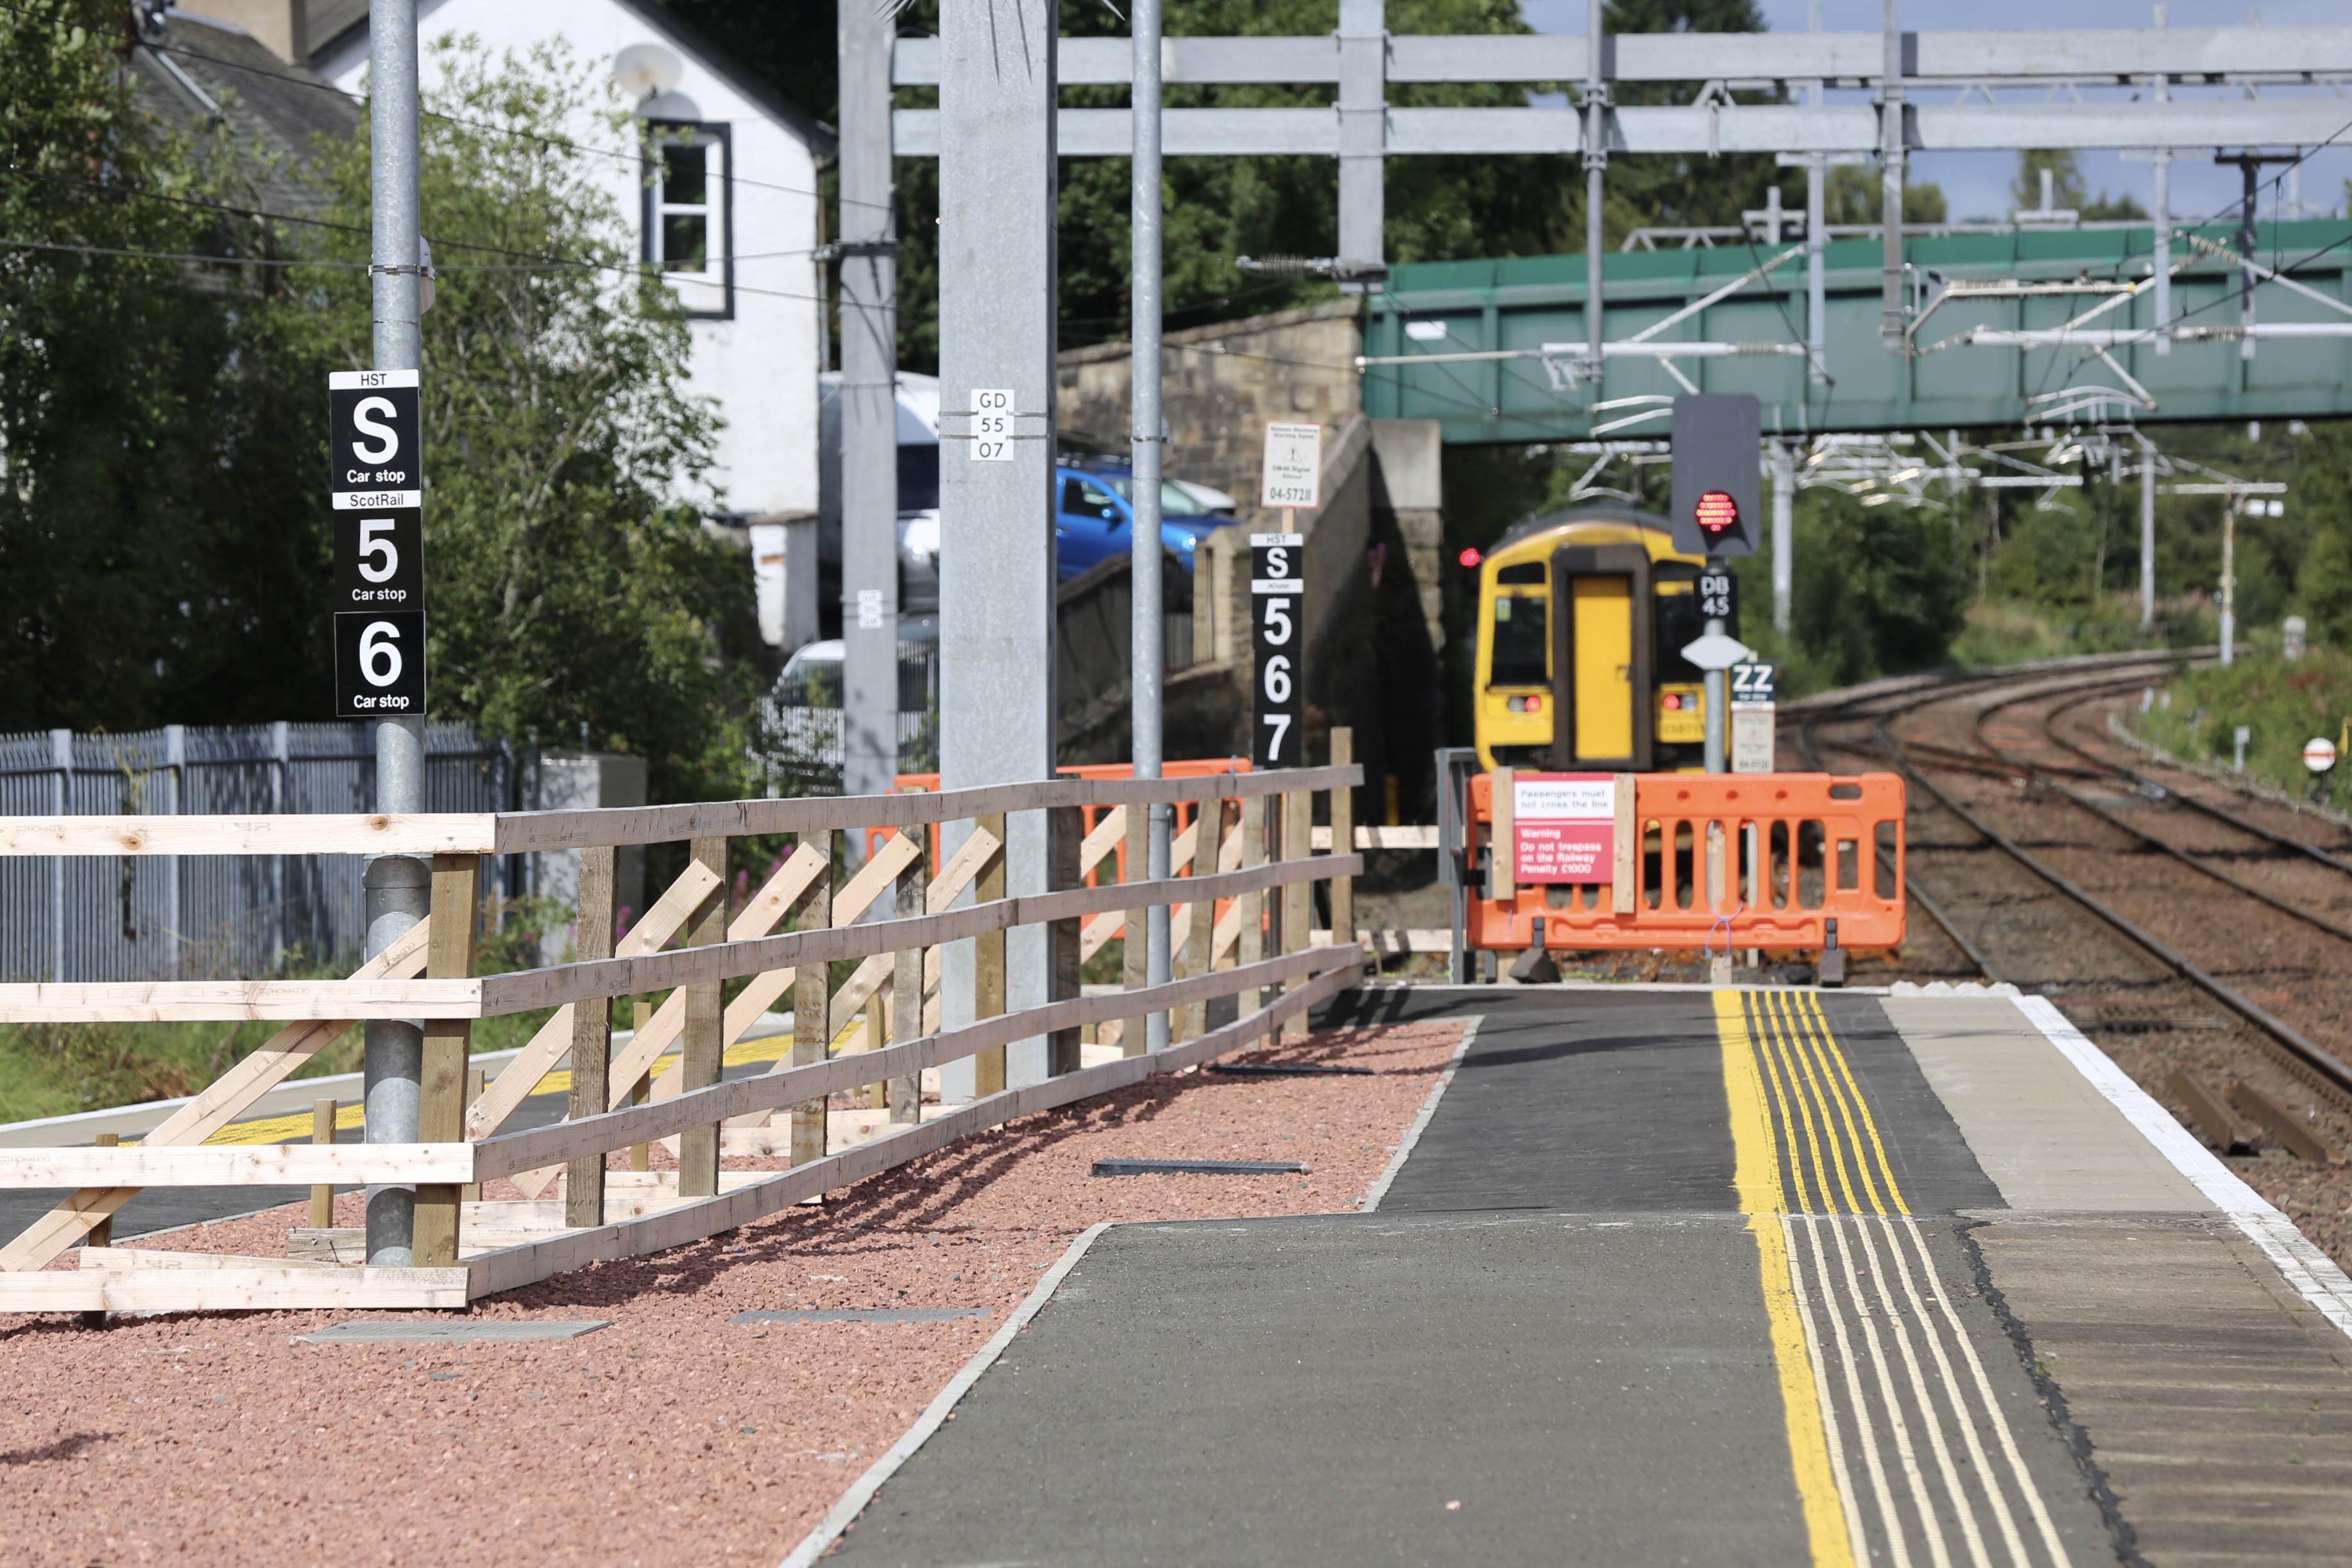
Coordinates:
(376, 477)
(1277, 633)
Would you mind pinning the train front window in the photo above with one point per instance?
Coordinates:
(1522, 640)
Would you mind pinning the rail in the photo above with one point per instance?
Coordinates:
(935, 876)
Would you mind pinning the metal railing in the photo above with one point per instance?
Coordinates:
(195, 916)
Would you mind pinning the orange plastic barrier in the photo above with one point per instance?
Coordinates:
(1724, 860)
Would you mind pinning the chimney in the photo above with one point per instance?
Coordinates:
(281, 27)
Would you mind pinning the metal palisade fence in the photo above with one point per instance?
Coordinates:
(197, 917)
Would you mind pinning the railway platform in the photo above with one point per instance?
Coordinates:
(1681, 1275)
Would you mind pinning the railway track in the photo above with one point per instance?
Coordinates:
(2202, 937)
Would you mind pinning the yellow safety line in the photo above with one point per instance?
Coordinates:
(1781, 1063)
(1811, 1039)
(1837, 1120)
(1782, 1092)
(1762, 1199)
(1869, 1122)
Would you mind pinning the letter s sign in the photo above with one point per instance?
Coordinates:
(367, 420)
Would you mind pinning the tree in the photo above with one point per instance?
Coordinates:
(1854, 195)
(166, 559)
(2067, 189)
(570, 584)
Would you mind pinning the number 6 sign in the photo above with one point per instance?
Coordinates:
(1277, 632)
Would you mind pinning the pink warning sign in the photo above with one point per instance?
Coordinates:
(1563, 826)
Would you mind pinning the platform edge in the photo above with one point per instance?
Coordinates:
(1379, 1188)
(2314, 1273)
(853, 1502)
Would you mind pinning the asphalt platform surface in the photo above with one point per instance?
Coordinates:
(1549, 1346)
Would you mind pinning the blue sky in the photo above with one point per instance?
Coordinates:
(1977, 184)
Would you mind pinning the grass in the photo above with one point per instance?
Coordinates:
(2004, 631)
(2283, 704)
(58, 1069)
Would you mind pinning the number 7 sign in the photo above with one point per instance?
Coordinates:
(1278, 635)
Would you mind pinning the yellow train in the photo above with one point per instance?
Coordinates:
(1582, 617)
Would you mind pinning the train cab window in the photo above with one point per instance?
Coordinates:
(1522, 640)
(1679, 624)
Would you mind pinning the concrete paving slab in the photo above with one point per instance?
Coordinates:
(2043, 1132)
(489, 1331)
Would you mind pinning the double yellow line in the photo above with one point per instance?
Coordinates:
(1800, 1126)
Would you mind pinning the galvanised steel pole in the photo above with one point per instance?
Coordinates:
(1147, 659)
(1890, 176)
(869, 411)
(1596, 164)
(399, 888)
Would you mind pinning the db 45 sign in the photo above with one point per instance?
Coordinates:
(379, 664)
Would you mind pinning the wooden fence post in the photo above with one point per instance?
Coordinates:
(1133, 974)
(1065, 828)
(102, 1233)
(906, 994)
(592, 1036)
(1253, 906)
(702, 1040)
(988, 967)
(813, 1007)
(476, 1081)
(441, 1101)
(1297, 898)
(1201, 938)
(641, 1155)
(1343, 838)
(322, 1132)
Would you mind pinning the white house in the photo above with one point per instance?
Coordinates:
(728, 208)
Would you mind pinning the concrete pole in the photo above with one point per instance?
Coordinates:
(1784, 532)
(997, 188)
(1363, 129)
(1890, 175)
(1148, 660)
(2163, 279)
(869, 416)
(2228, 580)
(399, 889)
(2146, 540)
(1817, 286)
(2248, 243)
(1596, 165)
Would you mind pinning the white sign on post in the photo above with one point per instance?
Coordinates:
(992, 427)
(1294, 467)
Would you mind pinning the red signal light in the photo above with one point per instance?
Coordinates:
(1716, 514)
(1470, 556)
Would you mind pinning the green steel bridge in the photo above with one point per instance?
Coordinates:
(2019, 326)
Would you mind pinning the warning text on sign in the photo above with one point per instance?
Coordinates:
(1564, 827)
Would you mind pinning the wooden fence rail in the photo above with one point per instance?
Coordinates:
(1238, 892)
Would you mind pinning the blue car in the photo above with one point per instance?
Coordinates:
(1094, 521)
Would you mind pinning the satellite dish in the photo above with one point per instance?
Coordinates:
(644, 69)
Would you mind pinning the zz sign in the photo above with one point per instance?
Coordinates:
(1753, 685)
(1278, 635)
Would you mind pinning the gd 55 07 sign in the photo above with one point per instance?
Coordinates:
(376, 480)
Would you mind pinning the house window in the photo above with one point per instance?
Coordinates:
(689, 209)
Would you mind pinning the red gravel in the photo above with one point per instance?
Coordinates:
(672, 1437)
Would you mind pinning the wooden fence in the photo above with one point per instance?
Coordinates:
(1241, 905)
